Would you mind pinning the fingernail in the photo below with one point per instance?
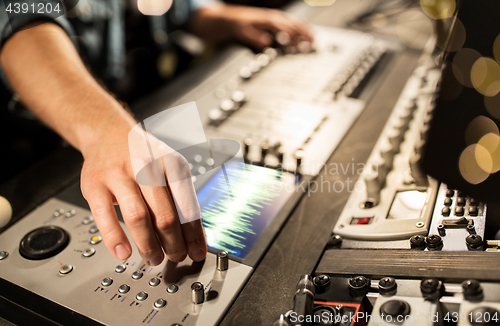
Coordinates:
(121, 252)
(198, 255)
(157, 261)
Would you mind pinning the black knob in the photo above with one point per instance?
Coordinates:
(387, 284)
(395, 308)
(474, 242)
(320, 312)
(417, 242)
(359, 285)
(44, 242)
(434, 242)
(484, 316)
(471, 288)
(321, 282)
(335, 241)
(431, 288)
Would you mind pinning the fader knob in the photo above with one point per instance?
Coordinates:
(5, 211)
(227, 105)
(299, 156)
(197, 293)
(216, 116)
(246, 146)
(395, 138)
(280, 154)
(387, 153)
(263, 59)
(264, 148)
(373, 186)
(222, 260)
(246, 73)
(239, 97)
(416, 171)
(272, 53)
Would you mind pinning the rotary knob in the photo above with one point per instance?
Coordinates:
(197, 293)
(222, 260)
(216, 116)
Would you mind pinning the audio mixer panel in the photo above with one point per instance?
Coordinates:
(289, 111)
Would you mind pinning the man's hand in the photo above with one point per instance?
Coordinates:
(149, 211)
(252, 26)
(44, 68)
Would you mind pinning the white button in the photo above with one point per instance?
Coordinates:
(202, 170)
(87, 220)
(172, 289)
(198, 158)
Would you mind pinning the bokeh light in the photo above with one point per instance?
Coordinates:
(483, 158)
(414, 28)
(154, 7)
(490, 142)
(462, 65)
(485, 76)
(492, 105)
(478, 128)
(456, 40)
(319, 3)
(496, 49)
(469, 167)
(438, 9)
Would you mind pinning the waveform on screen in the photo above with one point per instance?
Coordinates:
(236, 214)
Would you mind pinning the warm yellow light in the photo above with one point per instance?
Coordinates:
(469, 167)
(154, 7)
(485, 76)
(479, 127)
(438, 9)
(490, 142)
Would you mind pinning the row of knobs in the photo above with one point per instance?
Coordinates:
(271, 147)
(227, 107)
(382, 165)
(198, 289)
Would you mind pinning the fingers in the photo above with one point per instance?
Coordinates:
(278, 21)
(186, 204)
(195, 240)
(165, 222)
(256, 38)
(101, 204)
(137, 217)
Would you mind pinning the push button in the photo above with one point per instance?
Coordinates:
(447, 201)
(95, 239)
(141, 296)
(450, 193)
(461, 201)
(445, 211)
(87, 220)
(88, 252)
(155, 281)
(65, 269)
(3, 255)
(473, 211)
(120, 268)
(459, 211)
(107, 281)
(172, 289)
(93, 229)
(137, 275)
(124, 288)
(160, 303)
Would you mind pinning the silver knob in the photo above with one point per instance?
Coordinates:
(222, 260)
(246, 146)
(197, 293)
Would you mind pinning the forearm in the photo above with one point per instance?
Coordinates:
(45, 70)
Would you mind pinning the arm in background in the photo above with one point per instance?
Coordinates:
(45, 70)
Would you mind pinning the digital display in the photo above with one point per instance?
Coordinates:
(238, 205)
(407, 205)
